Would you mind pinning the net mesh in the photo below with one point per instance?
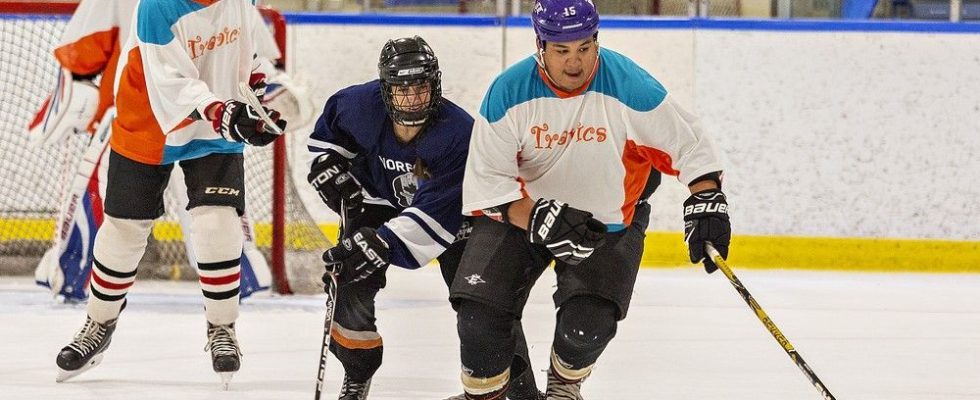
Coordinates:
(33, 179)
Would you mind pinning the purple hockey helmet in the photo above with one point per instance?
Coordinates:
(564, 20)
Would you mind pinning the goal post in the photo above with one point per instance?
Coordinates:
(33, 180)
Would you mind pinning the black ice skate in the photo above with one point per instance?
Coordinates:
(353, 390)
(85, 350)
(494, 395)
(562, 389)
(523, 387)
(225, 354)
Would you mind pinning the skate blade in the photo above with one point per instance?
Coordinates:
(225, 379)
(64, 375)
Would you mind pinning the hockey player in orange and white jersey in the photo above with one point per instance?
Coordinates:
(559, 159)
(88, 53)
(180, 99)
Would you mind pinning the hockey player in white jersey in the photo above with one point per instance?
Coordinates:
(88, 55)
(178, 100)
(558, 162)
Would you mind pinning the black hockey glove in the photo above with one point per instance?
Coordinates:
(357, 256)
(569, 233)
(330, 176)
(706, 220)
(238, 122)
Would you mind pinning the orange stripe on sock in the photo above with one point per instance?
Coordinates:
(358, 344)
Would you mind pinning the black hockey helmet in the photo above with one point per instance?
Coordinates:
(409, 62)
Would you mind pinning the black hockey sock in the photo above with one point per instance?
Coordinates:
(585, 326)
(486, 338)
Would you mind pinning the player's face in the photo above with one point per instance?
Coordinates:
(411, 98)
(570, 64)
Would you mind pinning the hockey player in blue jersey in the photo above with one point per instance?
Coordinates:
(560, 159)
(389, 158)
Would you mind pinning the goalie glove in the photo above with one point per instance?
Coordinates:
(238, 122)
(292, 98)
(330, 176)
(706, 220)
(572, 235)
(356, 257)
(69, 109)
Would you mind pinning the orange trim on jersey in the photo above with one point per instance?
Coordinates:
(206, 2)
(637, 161)
(349, 343)
(563, 94)
(106, 87)
(90, 54)
(136, 134)
(523, 187)
(183, 124)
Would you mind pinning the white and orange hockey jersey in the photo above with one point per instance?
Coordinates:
(181, 56)
(592, 148)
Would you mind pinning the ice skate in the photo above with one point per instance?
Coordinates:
(495, 395)
(86, 349)
(561, 389)
(225, 354)
(353, 390)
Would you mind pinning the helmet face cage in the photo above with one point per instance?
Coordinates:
(564, 20)
(404, 65)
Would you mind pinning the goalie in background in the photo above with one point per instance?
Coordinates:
(88, 54)
(391, 152)
(559, 159)
(178, 101)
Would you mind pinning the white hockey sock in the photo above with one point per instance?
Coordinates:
(565, 371)
(217, 240)
(485, 386)
(119, 246)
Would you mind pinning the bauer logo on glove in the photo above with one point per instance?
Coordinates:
(570, 234)
(706, 220)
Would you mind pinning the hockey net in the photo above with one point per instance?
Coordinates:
(33, 178)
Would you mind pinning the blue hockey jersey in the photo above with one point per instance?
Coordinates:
(355, 124)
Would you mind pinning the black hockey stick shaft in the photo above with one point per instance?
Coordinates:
(331, 290)
(331, 303)
(770, 325)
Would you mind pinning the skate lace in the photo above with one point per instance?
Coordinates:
(222, 341)
(352, 387)
(89, 337)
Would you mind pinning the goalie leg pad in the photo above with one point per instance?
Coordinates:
(217, 237)
(119, 246)
(585, 326)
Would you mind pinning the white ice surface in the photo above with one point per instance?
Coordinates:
(688, 336)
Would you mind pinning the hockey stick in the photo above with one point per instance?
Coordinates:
(246, 91)
(331, 290)
(771, 326)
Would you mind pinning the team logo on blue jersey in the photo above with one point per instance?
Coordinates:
(404, 187)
